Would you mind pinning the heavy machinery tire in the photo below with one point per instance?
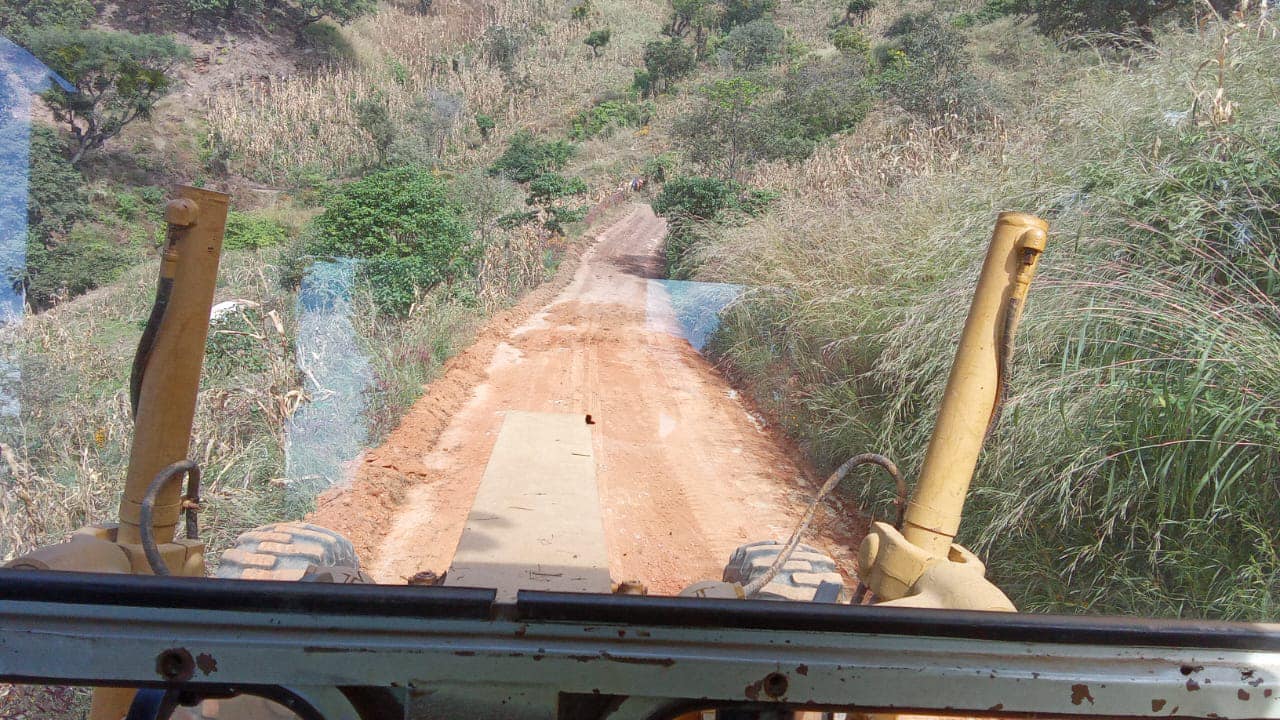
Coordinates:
(801, 578)
(279, 551)
(288, 551)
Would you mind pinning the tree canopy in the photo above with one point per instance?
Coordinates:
(118, 78)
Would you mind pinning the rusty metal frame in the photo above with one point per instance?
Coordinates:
(453, 653)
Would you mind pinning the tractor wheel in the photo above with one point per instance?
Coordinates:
(808, 576)
(279, 551)
(292, 551)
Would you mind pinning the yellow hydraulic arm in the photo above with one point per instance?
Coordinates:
(921, 566)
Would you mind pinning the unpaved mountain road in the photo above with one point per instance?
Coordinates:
(685, 472)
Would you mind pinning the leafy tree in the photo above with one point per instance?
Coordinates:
(118, 76)
(406, 227)
(692, 204)
(374, 118)
(502, 47)
(597, 39)
(667, 61)
(581, 11)
(698, 17)
(741, 12)
(548, 191)
(856, 11)
(725, 131)
(527, 158)
(17, 17)
(755, 44)
(339, 11)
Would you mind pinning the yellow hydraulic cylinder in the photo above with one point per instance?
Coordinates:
(170, 361)
(975, 386)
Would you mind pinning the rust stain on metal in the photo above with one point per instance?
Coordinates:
(996, 708)
(1266, 693)
(1157, 705)
(752, 691)
(464, 653)
(1188, 669)
(206, 663)
(175, 664)
(1080, 693)
(1192, 685)
(802, 669)
(1242, 694)
(664, 662)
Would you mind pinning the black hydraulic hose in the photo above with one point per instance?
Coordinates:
(190, 502)
(147, 343)
(1004, 362)
(883, 462)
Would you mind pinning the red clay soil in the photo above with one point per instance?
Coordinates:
(686, 470)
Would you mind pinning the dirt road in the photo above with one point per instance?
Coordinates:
(685, 471)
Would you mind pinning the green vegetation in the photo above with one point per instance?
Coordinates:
(597, 39)
(56, 197)
(665, 61)
(694, 206)
(753, 45)
(402, 223)
(118, 78)
(526, 157)
(927, 69)
(549, 192)
(374, 119)
(19, 17)
(252, 231)
(606, 117)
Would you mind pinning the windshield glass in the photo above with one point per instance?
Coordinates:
(596, 295)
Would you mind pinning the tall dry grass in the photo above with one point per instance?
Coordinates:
(276, 128)
(1134, 470)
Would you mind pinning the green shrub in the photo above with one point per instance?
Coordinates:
(824, 98)
(734, 127)
(754, 44)
(78, 264)
(741, 12)
(404, 225)
(597, 39)
(851, 41)
(56, 188)
(548, 192)
(526, 157)
(485, 124)
(249, 231)
(502, 47)
(17, 17)
(705, 198)
(605, 117)
(856, 11)
(990, 11)
(927, 69)
(374, 118)
(1068, 18)
(659, 167)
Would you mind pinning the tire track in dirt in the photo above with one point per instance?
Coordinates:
(685, 471)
